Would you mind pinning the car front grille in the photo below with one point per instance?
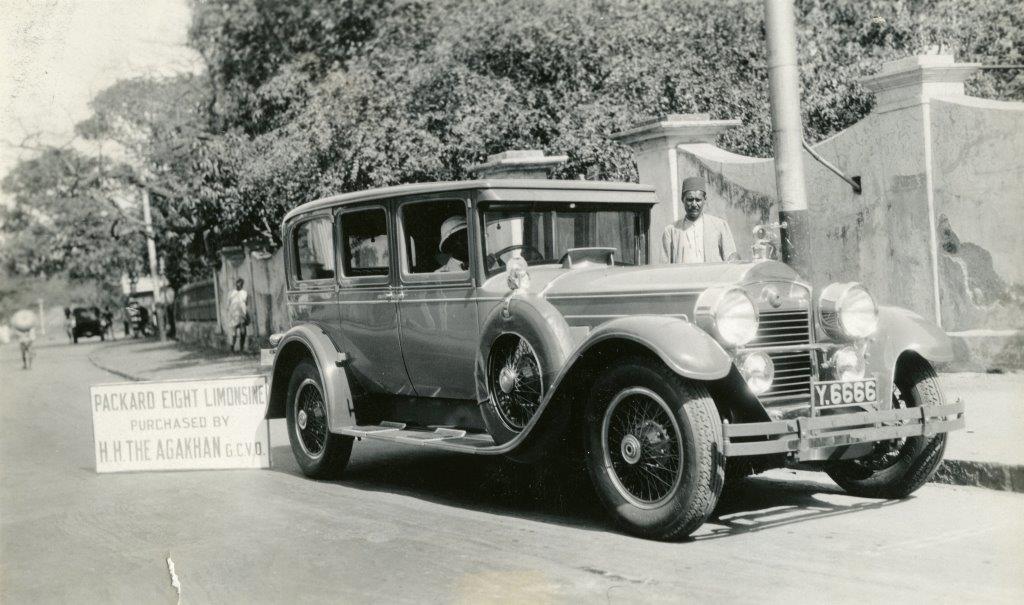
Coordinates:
(793, 369)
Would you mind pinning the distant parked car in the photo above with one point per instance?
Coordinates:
(524, 318)
(87, 323)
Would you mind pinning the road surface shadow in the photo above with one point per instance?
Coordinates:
(490, 484)
(761, 503)
(556, 492)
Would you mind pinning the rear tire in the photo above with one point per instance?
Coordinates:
(320, 453)
(654, 449)
(898, 468)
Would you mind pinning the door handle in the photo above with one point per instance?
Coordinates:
(392, 295)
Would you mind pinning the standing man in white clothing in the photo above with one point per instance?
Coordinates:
(698, 237)
(238, 314)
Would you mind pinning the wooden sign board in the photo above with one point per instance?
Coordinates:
(181, 425)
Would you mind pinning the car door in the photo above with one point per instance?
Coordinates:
(437, 297)
(312, 286)
(367, 327)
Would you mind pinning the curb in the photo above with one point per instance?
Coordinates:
(989, 475)
(965, 473)
(110, 370)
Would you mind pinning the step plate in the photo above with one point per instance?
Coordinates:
(439, 437)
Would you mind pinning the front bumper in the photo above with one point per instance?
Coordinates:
(820, 437)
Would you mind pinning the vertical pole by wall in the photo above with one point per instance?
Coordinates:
(42, 317)
(255, 300)
(787, 132)
(147, 216)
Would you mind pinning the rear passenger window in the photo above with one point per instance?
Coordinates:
(364, 237)
(314, 250)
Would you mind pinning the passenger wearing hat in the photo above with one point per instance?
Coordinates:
(697, 237)
(455, 244)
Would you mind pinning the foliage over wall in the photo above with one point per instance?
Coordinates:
(301, 100)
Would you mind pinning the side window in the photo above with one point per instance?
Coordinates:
(436, 237)
(314, 250)
(364, 238)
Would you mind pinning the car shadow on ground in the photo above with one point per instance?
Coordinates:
(762, 503)
(562, 494)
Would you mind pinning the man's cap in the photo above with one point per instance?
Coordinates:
(450, 226)
(694, 183)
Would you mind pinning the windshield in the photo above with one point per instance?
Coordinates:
(543, 233)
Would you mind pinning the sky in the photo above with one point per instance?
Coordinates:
(56, 54)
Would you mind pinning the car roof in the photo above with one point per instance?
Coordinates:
(499, 190)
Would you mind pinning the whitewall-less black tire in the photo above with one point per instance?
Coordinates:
(654, 449)
(320, 453)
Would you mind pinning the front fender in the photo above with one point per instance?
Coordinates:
(901, 331)
(310, 341)
(685, 348)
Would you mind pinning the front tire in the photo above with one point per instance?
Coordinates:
(320, 453)
(654, 449)
(898, 468)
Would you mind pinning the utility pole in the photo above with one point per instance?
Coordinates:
(42, 318)
(151, 249)
(787, 133)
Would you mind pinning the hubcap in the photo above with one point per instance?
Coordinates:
(515, 381)
(631, 449)
(507, 379)
(643, 451)
(310, 419)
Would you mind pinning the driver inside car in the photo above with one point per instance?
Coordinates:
(455, 244)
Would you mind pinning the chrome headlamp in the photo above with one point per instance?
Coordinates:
(848, 363)
(847, 312)
(758, 370)
(728, 314)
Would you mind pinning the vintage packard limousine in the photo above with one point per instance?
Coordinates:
(525, 318)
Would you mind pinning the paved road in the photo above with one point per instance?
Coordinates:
(416, 526)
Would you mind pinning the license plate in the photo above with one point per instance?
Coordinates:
(845, 392)
(267, 357)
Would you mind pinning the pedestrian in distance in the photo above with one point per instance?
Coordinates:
(697, 237)
(24, 322)
(69, 323)
(108, 321)
(238, 314)
(25, 340)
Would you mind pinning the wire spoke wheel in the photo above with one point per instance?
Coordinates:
(642, 447)
(311, 419)
(515, 381)
(886, 453)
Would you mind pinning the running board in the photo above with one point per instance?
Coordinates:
(438, 437)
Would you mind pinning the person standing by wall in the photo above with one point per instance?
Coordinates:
(238, 314)
(697, 237)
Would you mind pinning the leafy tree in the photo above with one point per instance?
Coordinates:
(305, 99)
(64, 218)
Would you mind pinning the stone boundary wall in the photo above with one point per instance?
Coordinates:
(264, 280)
